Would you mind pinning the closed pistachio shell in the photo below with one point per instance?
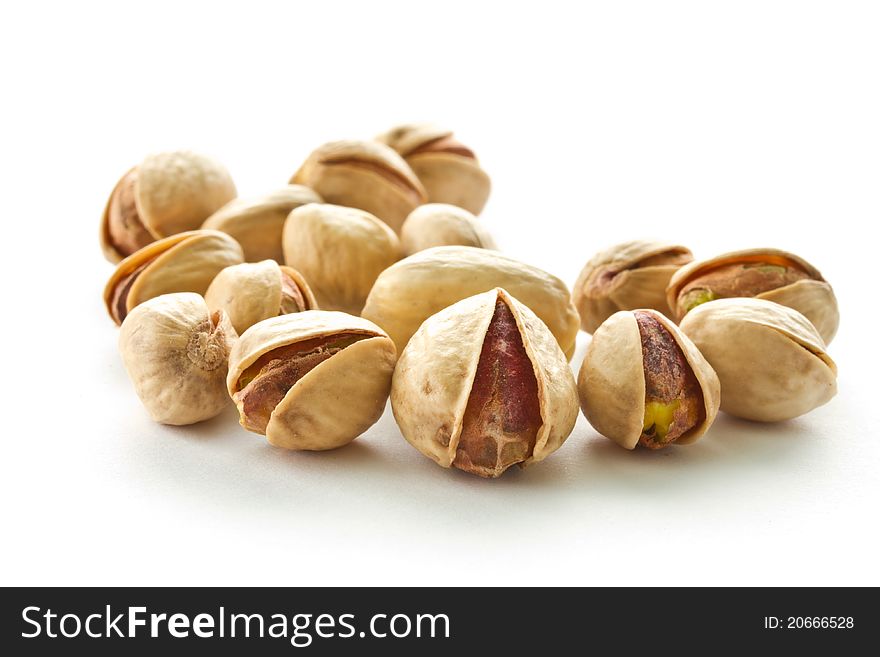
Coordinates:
(256, 223)
(483, 385)
(167, 193)
(771, 360)
(185, 262)
(413, 289)
(626, 277)
(441, 224)
(175, 352)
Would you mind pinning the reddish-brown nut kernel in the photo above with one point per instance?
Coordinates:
(126, 230)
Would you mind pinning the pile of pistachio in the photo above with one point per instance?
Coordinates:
(369, 276)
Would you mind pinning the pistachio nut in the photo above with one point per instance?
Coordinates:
(251, 292)
(413, 289)
(440, 224)
(448, 169)
(167, 193)
(185, 262)
(366, 175)
(483, 385)
(256, 223)
(314, 380)
(175, 351)
(340, 251)
(626, 277)
(768, 274)
(643, 382)
(771, 360)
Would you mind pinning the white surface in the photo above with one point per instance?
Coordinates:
(747, 124)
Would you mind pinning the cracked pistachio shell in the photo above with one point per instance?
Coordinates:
(256, 223)
(611, 381)
(413, 289)
(436, 374)
(441, 224)
(813, 297)
(626, 277)
(251, 292)
(448, 169)
(335, 401)
(366, 175)
(340, 251)
(175, 352)
(186, 262)
(167, 193)
(771, 360)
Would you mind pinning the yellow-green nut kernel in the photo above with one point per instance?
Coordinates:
(167, 193)
(448, 169)
(441, 224)
(410, 291)
(313, 380)
(256, 223)
(625, 277)
(643, 382)
(185, 262)
(768, 274)
(483, 385)
(340, 252)
(770, 359)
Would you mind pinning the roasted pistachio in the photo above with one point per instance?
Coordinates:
(625, 277)
(771, 360)
(185, 262)
(440, 224)
(313, 380)
(167, 193)
(483, 385)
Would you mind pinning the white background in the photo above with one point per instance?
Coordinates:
(720, 125)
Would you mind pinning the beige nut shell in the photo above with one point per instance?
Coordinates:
(251, 292)
(410, 291)
(441, 224)
(175, 352)
(611, 381)
(770, 359)
(814, 298)
(642, 287)
(256, 223)
(186, 262)
(175, 192)
(338, 399)
(435, 373)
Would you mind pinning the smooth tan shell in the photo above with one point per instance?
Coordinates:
(435, 373)
(410, 291)
(611, 381)
(771, 360)
(186, 262)
(256, 223)
(644, 287)
(251, 292)
(176, 357)
(337, 400)
(441, 224)
(175, 192)
(812, 298)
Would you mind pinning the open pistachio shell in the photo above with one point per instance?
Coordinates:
(410, 291)
(483, 385)
(167, 193)
(175, 352)
(788, 280)
(613, 382)
(441, 224)
(256, 223)
(185, 262)
(366, 175)
(625, 277)
(251, 292)
(771, 360)
(314, 380)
